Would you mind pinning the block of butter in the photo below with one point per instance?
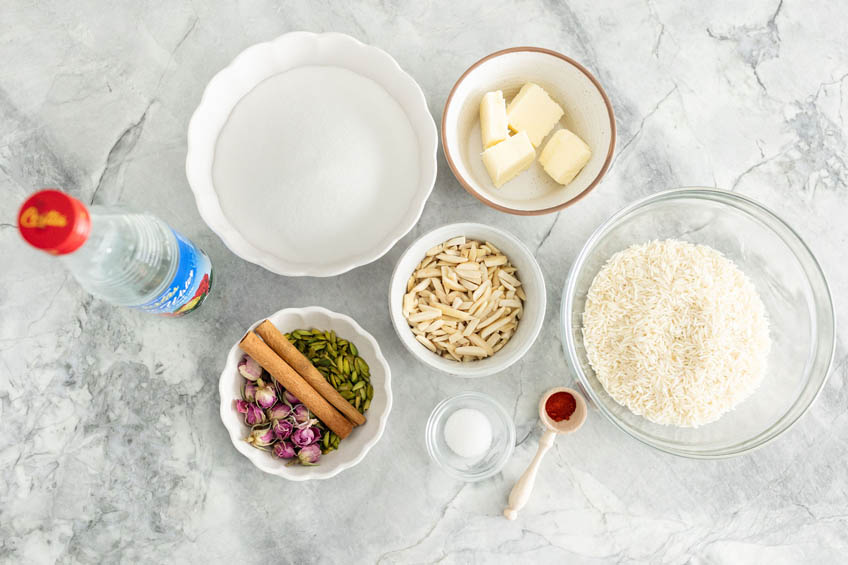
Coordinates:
(493, 124)
(508, 158)
(564, 156)
(533, 111)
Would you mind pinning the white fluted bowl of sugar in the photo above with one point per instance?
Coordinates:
(528, 312)
(311, 154)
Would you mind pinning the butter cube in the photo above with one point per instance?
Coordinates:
(508, 158)
(564, 156)
(533, 111)
(493, 124)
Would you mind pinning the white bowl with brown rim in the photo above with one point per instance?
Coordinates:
(588, 113)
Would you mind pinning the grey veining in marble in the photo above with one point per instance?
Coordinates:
(112, 449)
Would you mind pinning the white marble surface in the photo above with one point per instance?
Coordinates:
(111, 447)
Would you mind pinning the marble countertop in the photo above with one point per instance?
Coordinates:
(111, 447)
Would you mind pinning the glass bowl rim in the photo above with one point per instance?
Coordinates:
(727, 198)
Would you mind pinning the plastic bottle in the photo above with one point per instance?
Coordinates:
(123, 257)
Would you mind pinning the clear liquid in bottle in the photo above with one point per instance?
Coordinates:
(126, 258)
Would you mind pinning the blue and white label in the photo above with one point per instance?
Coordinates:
(189, 285)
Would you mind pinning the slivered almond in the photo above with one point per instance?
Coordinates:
(453, 312)
(470, 286)
(438, 323)
(472, 276)
(439, 289)
(423, 316)
(499, 313)
(495, 260)
(408, 303)
(509, 327)
(434, 251)
(487, 309)
(485, 286)
(449, 284)
(494, 327)
(464, 300)
(472, 350)
(427, 273)
(504, 276)
(421, 286)
(426, 343)
(478, 307)
(450, 258)
(480, 342)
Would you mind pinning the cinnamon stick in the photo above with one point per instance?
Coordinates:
(294, 383)
(289, 353)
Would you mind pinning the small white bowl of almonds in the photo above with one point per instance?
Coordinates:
(467, 299)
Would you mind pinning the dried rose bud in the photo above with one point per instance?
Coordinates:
(300, 413)
(284, 450)
(262, 436)
(290, 398)
(249, 369)
(305, 436)
(248, 391)
(266, 396)
(282, 428)
(279, 411)
(254, 415)
(309, 455)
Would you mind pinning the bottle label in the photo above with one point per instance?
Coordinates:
(189, 285)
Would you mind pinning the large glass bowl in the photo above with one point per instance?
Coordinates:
(788, 279)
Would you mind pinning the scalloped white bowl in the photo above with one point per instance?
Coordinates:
(352, 449)
(302, 177)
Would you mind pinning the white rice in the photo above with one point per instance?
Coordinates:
(675, 332)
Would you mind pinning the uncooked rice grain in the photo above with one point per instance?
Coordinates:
(675, 332)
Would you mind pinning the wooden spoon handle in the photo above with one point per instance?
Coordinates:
(521, 491)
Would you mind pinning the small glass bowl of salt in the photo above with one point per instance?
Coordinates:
(470, 436)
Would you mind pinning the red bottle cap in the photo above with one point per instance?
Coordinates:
(54, 222)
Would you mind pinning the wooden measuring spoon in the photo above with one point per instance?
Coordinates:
(520, 493)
